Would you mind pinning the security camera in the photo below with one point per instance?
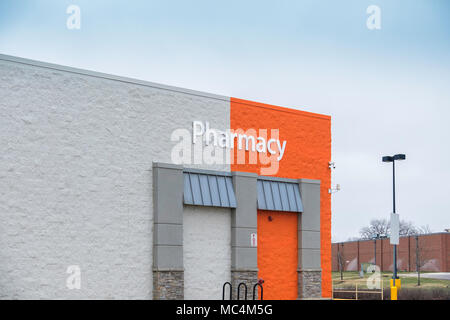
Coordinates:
(334, 189)
(331, 165)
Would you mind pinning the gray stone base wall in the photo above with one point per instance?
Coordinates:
(249, 277)
(168, 285)
(310, 284)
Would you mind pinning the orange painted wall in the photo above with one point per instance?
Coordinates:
(307, 154)
(277, 254)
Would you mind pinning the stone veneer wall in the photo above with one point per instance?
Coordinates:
(168, 285)
(310, 284)
(250, 278)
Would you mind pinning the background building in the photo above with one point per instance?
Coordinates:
(433, 251)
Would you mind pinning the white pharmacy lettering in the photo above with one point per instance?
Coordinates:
(227, 139)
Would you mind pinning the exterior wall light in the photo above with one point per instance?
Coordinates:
(334, 189)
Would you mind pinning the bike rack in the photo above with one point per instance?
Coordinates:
(223, 290)
(239, 290)
(254, 291)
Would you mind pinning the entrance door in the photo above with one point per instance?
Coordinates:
(278, 254)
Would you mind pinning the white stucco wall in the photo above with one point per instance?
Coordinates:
(206, 251)
(76, 180)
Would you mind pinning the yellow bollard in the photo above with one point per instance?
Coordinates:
(393, 293)
(397, 283)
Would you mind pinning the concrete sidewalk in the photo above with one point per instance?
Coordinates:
(434, 275)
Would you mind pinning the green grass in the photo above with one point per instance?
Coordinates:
(349, 278)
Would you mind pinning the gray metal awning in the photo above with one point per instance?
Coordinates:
(208, 189)
(279, 196)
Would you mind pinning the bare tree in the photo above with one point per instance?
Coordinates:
(377, 228)
(424, 230)
(340, 261)
(420, 258)
(421, 252)
(407, 229)
(381, 228)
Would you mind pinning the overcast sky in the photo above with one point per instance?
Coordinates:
(387, 90)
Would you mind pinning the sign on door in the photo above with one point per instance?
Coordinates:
(253, 240)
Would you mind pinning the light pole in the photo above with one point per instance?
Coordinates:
(392, 159)
(375, 251)
(375, 248)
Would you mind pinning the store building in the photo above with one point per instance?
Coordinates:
(155, 192)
